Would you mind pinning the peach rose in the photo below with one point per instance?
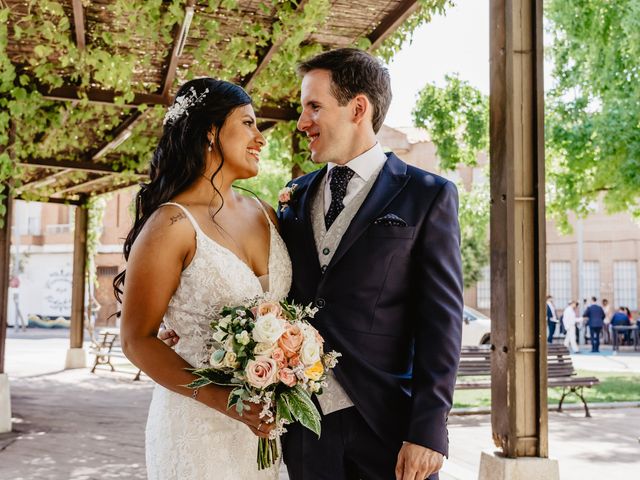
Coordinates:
(287, 377)
(284, 195)
(278, 355)
(261, 372)
(291, 340)
(267, 308)
(294, 361)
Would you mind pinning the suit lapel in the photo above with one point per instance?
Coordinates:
(390, 182)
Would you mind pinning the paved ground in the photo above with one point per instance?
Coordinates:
(74, 425)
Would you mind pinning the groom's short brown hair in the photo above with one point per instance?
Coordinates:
(355, 72)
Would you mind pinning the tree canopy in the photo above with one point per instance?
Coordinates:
(457, 119)
(593, 106)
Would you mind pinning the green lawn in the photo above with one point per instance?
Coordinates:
(613, 387)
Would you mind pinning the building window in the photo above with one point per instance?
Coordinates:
(483, 288)
(591, 279)
(560, 283)
(625, 284)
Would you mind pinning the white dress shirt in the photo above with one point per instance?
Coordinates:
(569, 317)
(364, 166)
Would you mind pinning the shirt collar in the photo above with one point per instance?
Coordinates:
(365, 164)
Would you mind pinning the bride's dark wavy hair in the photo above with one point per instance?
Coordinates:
(179, 159)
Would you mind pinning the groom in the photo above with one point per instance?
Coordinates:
(375, 246)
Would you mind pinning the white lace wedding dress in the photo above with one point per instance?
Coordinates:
(185, 440)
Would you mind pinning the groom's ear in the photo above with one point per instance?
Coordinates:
(361, 108)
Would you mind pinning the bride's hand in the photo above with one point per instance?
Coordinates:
(169, 337)
(216, 396)
(251, 418)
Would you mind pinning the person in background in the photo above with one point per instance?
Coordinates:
(569, 319)
(595, 321)
(622, 319)
(608, 313)
(552, 319)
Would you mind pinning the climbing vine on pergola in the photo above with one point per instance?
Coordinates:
(84, 84)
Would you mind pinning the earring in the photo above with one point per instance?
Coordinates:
(210, 145)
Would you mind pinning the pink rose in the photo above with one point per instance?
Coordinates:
(291, 340)
(261, 372)
(279, 357)
(284, 195)
(267, 308)
(288, 377)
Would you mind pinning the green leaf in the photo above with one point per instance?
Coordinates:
(200, 382)
(282, 409)
(214, 376)
(302, 408)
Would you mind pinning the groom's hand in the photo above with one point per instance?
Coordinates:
(416, 462)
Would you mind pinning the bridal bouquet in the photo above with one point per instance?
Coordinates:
(271, 354)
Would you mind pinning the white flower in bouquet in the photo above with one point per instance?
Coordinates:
(268, 328)
(264, 348)
(243, 338)
(310, 351)
(230, 360)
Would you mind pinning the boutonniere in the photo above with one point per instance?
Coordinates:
(285, 196)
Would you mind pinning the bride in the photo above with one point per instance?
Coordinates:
(197, 245)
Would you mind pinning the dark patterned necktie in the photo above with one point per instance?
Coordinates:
(340, 177)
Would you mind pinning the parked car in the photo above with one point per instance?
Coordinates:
(476, 327)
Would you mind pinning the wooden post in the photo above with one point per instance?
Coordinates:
(79, 276)
(296, 170)
(5, 256)
(76, 357)
(518, 280)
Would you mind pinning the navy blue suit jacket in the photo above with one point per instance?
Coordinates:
(595, 315)
(390, 300)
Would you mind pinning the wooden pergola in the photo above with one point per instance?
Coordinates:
(517, 166)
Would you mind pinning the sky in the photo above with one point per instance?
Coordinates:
(455, 43)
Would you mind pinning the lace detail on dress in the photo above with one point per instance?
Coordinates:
(186, 440)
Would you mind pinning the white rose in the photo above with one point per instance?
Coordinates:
(263, 348)
(229, 360)
(268, 328)
(243, 337)
(310, 352)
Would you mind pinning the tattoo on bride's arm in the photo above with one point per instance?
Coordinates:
(177, 218)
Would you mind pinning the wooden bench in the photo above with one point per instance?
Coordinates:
(618, 330)
(108, 348)
(475, 361)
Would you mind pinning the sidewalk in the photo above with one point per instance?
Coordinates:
(74, 425)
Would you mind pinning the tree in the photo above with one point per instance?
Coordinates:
(593, 107)
(457, 119)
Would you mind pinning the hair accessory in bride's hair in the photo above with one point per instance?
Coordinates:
(182, 104)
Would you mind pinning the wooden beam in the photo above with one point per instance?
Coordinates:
(42, 182)
(59, 201)
(79, 275)
(102, 97)
(271, 51)
(178, 44)
(5, 260)
(81, 186)
(392, 21)
(120, 134)
(80, 166)
(277, 114)
(106, 97)
(78, 21)
(518, 278)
